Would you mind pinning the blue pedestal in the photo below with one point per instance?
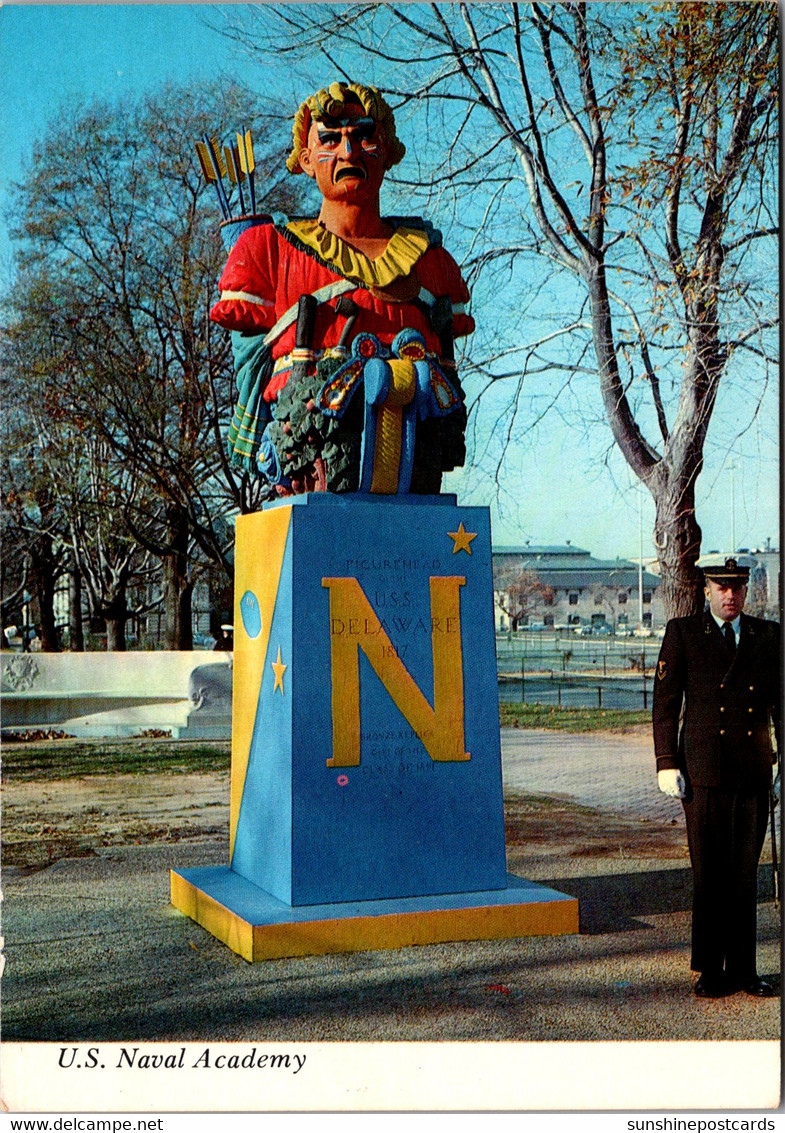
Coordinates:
(366, 762)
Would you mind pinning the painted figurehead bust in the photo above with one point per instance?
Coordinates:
(343, 326)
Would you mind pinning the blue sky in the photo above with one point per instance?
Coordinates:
(561, 489)
(90, 50)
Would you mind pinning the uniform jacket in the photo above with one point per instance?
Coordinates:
(712, 710)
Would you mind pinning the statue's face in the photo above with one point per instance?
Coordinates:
(346, 156)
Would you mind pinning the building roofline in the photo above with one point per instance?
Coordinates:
(530, 549)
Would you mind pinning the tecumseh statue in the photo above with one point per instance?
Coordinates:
(343, 326)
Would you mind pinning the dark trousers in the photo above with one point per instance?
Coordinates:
(725, 833)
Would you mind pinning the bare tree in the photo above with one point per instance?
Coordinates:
(606, 598)
(95, 490)
(34, 524)
(118, 263)
(66, 497)
(33, 542)
(524, 595)
(611, 169)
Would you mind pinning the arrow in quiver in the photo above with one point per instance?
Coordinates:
(235, 163)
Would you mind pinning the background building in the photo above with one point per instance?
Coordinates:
(563, 586)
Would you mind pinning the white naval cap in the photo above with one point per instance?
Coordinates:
(726, 568)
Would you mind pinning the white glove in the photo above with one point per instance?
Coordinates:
(671, 782)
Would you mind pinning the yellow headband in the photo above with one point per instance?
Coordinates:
(328, 102)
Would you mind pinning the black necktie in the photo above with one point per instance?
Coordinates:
(730, 637)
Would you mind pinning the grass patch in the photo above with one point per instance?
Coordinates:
(572, 719)
(72, 759)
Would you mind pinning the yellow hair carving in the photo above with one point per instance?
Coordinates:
(328, 103)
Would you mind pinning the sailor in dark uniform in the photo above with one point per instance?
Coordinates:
(716, 690)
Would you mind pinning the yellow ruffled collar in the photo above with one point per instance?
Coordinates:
(405, 248)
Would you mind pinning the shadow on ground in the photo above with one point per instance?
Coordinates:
(617, 902)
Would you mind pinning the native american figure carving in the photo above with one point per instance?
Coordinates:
(342, 326)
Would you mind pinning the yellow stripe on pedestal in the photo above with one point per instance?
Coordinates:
(219, 921)
(259, 551)
(402, 930)
(548, 917)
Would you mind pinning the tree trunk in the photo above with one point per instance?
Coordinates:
(115, 615)
(177, 587)
(75, 626)
(44, 580)
(677, 535)
(677, 538)
(671, 478)
(115, 634)
(637, 451)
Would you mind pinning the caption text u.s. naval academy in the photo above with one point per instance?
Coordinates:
(178, 1058)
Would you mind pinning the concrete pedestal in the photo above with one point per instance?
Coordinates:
(366, 795)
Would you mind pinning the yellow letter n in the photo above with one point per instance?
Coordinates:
(354, 625)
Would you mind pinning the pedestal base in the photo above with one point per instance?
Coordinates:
(259, 927)
(366, 791)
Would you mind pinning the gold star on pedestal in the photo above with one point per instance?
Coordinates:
(461, 539)
(279, 669)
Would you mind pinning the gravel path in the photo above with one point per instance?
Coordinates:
(602, 770)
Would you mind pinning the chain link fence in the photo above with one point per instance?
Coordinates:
(571, 671)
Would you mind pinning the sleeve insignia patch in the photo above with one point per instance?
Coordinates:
(662, 669)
